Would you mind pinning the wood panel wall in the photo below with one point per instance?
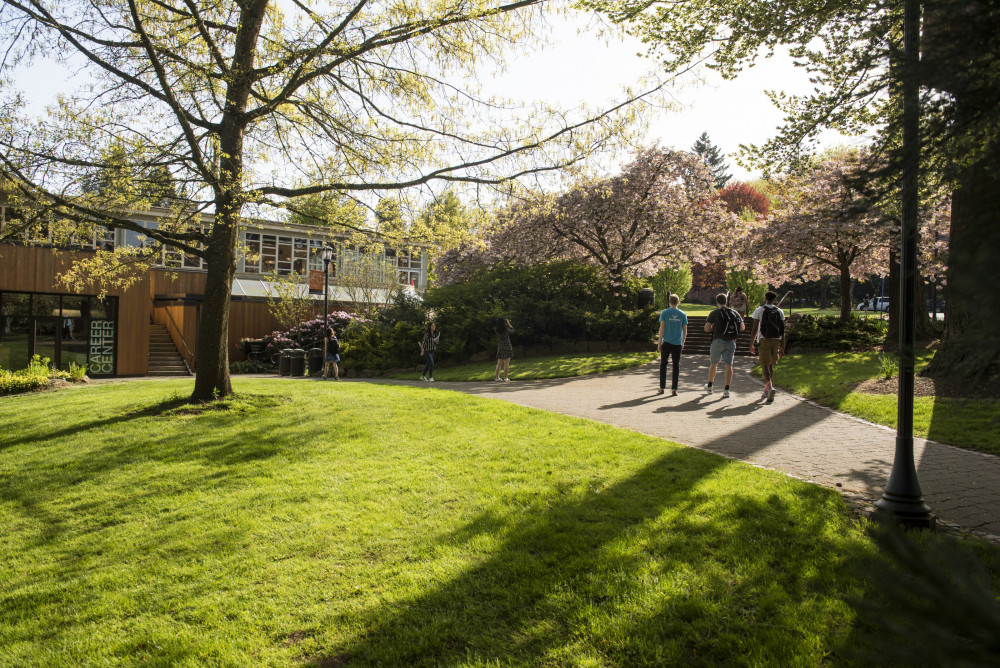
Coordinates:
(177, 282)
(33, 269)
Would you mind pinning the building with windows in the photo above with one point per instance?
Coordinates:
(151, 327)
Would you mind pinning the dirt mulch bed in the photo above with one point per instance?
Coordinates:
(929, 387)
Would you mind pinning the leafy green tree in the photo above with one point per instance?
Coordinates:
(671, 280)
(714, 161)
(289, 300)
(256, 103)
(389, 220)
(444, 222)
(331, 210)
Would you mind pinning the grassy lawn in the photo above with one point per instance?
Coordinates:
(827, 378)
(531, 368)
(307, 524)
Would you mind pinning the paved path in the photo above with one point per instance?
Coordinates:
(799, 437)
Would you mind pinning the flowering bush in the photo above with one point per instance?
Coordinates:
(308, 334)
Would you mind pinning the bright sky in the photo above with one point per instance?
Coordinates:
(580, 66)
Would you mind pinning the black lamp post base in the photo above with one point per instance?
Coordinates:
(909, 512)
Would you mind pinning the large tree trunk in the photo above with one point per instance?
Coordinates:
(923, 328)
(970, 346)
(212, 347)
(212, 352)
(845, 292)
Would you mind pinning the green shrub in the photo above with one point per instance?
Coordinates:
(17, 382)
(888, 366)
(249, 366)
(831, 333)
(546, 304)
(669, 280)
(77, 372)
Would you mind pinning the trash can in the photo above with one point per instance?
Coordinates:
(285, 362)
(297, 366)
(646, 297)
(315, 361)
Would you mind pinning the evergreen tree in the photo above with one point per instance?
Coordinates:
(713, 159)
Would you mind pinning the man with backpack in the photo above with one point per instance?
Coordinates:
(769, 331)
(725, 324)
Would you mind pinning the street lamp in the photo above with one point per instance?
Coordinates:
(902, 498)
(327, 255)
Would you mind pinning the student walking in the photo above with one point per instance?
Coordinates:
(739, 302)
(504, 350)
(331, 354)
(427, 347)
(725, 324)
(769, 332)
(670, 342)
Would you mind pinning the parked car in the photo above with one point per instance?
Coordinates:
(880, 304)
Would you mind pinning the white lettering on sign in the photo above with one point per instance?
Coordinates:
(101, 360)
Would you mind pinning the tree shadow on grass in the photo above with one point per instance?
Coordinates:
(175, 406)
(571, 579)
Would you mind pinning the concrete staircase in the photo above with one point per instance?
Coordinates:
(164, 360)
(698, 341)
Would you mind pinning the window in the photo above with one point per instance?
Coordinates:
(409, 268)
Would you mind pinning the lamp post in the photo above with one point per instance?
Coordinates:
(902, 498)
(327, 255)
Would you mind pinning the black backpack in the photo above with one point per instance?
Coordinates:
(332, 346)
(772, 325)
(727, 325)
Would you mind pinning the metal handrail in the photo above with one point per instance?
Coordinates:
(180, 337)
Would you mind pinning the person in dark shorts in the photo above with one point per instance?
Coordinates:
(331, 354)
(504, 349)
(670, 342)
(725, 324)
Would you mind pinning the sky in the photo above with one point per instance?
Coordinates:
(581, 66)
(578, 65)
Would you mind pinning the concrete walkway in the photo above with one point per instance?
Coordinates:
(791, 435)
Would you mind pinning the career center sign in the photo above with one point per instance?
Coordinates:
(102, 347)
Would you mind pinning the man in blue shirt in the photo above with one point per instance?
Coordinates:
(670, 341)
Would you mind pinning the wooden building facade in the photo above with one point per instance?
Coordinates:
(112, 335)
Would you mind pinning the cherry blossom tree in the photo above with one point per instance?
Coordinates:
(660, 211)
(824, 225)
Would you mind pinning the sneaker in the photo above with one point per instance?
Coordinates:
(506, 380)
(708, 388)
(336, 377)
(422, 378)
(725, 394)
(673, 393)
(660, 391)
(430, 380)
(770, 396)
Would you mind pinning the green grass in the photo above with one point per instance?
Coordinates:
(533, 368)
(829, 379)
(305, 524)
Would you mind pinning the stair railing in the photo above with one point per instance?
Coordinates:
(176, 335)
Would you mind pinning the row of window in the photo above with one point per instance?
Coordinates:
(270, 253)
(266, 254)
